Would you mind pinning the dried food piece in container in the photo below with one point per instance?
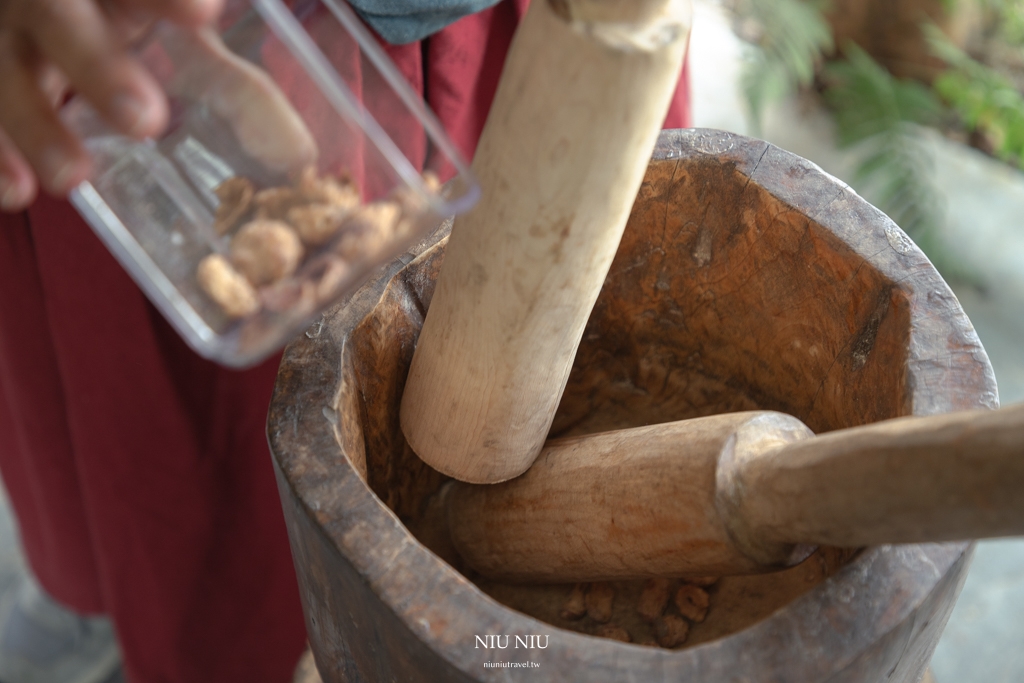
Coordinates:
(235, 195)
(671, 630)
(575, 605)
(290, 295)
(227, 287)
(368, 230)
(615, 633)
(335, 271)
(326, 190)
(412, 201)
(431, 182)
(266, 251)
(274, 203)
(654, 599)
(316, 224)
(599, 601)
(692, 602)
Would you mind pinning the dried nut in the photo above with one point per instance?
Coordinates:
(575, 605)
(274, 203)
(431, 182)
(375, 217)
(282, 296)
(599, 602)
(654, 599)
(327, 190)
(265, 251)
(235, 195)
(368, 230)
(615, 633)
(692, 602)
(227, 287)
(353, 246)
(316, 224)
(702, 581)
(671, 630)
(334, 273)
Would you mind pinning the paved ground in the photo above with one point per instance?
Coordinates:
(985, 207)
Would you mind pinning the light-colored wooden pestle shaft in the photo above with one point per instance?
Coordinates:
(584, 92)
(741, 493)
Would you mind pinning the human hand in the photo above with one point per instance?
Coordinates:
(50, 46)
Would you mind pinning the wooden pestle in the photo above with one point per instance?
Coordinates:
(741, 493)
(582, 97)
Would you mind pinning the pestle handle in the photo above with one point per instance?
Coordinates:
(584, 91)
(944, 477)
(628, 504)
(741, 493)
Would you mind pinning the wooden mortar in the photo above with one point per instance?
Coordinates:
(747, 278)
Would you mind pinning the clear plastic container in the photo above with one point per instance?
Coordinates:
(297, 161)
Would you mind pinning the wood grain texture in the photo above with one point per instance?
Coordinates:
(741, 493)
(381, 606)
(627, 504)
(945, 477)
(524, 266)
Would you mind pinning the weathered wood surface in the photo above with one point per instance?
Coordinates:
(747, 278)
(741, 493)
(628, 504)
(524, 266)
(944, 477)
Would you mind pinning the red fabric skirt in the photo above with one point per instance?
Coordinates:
(138, 471)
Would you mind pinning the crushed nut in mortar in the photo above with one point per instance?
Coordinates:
(599, 602)
(692, 602)
(227, 287)
(654, 599)
(575, 605)
(615, 633)
(671, 630)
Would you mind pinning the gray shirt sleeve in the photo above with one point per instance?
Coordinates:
(405, 21)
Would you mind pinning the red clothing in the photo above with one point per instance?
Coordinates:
(139, 472)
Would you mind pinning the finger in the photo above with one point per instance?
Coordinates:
(183, 12)
(17, 182)
(53, 84)
(32, 124)
(78, 39)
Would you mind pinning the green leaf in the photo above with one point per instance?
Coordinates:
(794, 36)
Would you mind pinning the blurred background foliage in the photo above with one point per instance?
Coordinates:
(890, 70)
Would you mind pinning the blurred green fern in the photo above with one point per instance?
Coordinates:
(985, 100)
(788, 41)
(881, 117)
(876, 115)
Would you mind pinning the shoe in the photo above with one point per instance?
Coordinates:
(44, 642)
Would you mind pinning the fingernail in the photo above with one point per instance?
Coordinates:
(131, 114)
(58, 167)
